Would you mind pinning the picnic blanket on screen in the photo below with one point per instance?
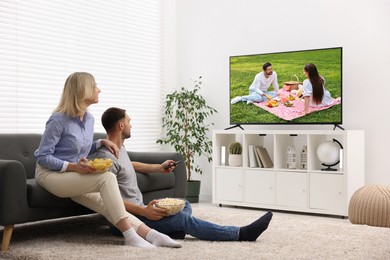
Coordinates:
(296, 111)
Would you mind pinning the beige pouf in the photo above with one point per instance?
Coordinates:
(370, 205)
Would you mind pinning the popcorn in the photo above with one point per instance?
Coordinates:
(173, 205)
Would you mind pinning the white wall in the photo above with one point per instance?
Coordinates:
(207, 32)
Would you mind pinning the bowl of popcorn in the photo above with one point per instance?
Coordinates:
(173, 205)
(100, 164)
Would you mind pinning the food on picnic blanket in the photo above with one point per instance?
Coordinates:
(272, 103)
(288, 103)
(100, 164)
(290, 97)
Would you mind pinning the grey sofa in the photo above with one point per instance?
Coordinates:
(22, 200)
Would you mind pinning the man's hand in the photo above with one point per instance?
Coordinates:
(168, 166)
(153, 213)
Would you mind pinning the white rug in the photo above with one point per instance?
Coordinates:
(289, 236)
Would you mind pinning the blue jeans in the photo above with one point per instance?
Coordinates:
(255, 97)
(184, 221)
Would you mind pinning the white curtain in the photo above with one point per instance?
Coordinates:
(118, 41)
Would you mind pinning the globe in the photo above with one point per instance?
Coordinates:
(329, 153)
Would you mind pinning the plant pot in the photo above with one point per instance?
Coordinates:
(235, 159)
(193, 190)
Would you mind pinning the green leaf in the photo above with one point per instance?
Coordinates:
(184, 123)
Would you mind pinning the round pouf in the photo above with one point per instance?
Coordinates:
(370, 205)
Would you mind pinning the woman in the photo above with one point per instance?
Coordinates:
(314, 91)
(62, 167)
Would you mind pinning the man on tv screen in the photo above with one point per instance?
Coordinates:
(258, 90)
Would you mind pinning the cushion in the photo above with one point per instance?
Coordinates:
(370, 205)
(40, 198)
(155, 181)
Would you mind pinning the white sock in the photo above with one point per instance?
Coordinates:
(133, 239)
(159, 239)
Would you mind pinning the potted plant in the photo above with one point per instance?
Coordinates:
(186, 130)
(235, 150)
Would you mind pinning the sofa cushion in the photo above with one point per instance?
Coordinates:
(37, 197)
(20, 147)
(155, 181)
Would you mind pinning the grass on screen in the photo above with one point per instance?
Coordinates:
(244, 68)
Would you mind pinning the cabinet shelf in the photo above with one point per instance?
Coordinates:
(305, 188)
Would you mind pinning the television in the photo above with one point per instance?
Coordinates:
(288, 66)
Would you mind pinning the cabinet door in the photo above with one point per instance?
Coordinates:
(327, 191)
(291, 189)
(228, 184)
(259, 187)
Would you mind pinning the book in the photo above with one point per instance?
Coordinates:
(252, 158)
(257, 153)
(265, 158)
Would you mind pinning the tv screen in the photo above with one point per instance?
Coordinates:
(254, 98)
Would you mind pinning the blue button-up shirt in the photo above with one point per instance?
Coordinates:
(65, 140)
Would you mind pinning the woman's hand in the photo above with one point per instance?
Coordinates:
(81, 167)
(112, 147)
(307, 101)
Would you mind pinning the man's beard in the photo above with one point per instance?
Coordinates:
(127, 135)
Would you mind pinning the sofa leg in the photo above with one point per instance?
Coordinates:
(7, 233)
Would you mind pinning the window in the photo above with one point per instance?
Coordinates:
(119, 42)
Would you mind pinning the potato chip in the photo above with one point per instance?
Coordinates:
(100, 164)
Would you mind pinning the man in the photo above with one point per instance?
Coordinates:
(117, 124)
(258, 90)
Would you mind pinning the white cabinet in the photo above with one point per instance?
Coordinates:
(309, 189)
(229, 185)
(291, 191)
(327, 191)
(259, 187)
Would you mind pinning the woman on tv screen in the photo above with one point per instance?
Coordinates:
(314, 91)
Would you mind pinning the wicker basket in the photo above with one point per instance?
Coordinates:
(292, 84)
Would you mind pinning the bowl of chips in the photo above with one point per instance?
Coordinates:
(173, 205)
(100, 164)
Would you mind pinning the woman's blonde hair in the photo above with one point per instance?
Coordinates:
(78, 87)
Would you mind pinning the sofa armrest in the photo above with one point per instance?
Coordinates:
(180, 188)
(13, 193)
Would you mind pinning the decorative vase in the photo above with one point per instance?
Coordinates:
(304, 157)
(235, 160)
(291, 157)
(193, 190)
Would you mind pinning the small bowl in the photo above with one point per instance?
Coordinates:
(288, 103)
(173, 205)
(100, 164)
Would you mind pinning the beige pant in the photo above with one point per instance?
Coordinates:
(98, 192)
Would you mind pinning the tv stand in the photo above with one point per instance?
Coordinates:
(307, 188)
(336, 125)
(231, 127)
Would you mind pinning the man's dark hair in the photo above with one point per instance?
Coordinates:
(111, 116)
(266, 65)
